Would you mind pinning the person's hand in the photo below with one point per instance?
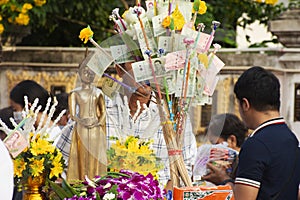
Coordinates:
(217, 174)
(142, 95)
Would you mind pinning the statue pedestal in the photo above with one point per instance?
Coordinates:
(287, 30)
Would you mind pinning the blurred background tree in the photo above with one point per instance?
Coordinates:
(65, 19)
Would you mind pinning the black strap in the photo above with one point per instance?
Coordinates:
(290, 177)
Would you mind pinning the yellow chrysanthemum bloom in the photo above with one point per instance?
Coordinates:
(39, 2)
(1, 18)
(86, 34)
(166, 22)
(178, 19)
(2, 2)
(56, 170)
(1, 28)
(145, 150)
(58, 157)
(22, 19)
(37, 166)
(133, 146)
(41, 147)
(19, 167)
(26, 7)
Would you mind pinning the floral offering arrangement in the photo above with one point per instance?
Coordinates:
(33, 152)
(18, 12)
(133, 154)
(40, 158)
(121, 185)
(171, 53)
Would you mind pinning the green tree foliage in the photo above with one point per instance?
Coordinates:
(66, 18)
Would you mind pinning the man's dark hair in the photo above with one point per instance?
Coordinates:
(260, 87)
(224, 125)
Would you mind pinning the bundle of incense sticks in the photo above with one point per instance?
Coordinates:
(177, 166)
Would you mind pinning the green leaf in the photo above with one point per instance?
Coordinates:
(172, 25)
(196, 5)
(61, 193)
(68, 188)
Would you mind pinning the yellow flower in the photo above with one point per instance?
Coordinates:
(272, 2)
(1, 28)
(22, 19)
(39, 2)
(125, 13)
(202, 8)
(2, 2)
(178, 19)
(37, 166)
(1, 18)
(26, 7)
(85, 34)
(41, 147)
(145, 150)
(13, 8)
(199, 6)
(19, 166)
(56, 170)
(166, 22)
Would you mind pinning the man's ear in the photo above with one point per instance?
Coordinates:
(245, 104)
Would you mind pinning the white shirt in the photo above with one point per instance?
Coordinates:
(6, 174)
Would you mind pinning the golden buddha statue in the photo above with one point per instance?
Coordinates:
(87, 109)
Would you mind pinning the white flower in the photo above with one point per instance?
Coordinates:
(109, 196)
(131, 15)
(106, 186)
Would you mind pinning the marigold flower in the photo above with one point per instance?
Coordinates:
(86, 34)
(202, 8)
(166, 22)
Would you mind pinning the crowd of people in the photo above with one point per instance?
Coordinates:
(268, 159)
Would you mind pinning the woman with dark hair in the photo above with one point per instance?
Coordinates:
(33, 91)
